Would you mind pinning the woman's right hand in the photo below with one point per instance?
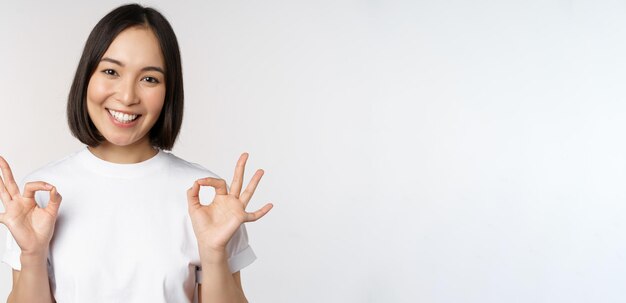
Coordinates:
(31, 226)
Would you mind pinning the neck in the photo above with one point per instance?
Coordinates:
(133, 153)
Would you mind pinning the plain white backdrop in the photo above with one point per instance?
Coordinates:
(416, 151)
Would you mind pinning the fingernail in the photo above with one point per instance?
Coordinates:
(48, 186)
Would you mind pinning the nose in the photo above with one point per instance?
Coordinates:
(126, 92)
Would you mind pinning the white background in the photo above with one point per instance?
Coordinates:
(458, 151)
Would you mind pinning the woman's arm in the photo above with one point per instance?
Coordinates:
(219, 284)
(31, 284)
(32, 227)
(215, 224)
(236, 277)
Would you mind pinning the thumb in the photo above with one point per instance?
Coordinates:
(54, 202)
(193, 196)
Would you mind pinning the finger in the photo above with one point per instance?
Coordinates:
(7, 174)
(193, 195)
(247, 194)
(31, 187)
(235, 187)
(54, 202)
(251, 217)
(218, 184)
(4, 194)
(2, 218)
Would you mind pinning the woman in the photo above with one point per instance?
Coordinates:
(124, 232)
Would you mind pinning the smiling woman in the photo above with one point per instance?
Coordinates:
(126, 93)
(125, 50)
(125, 232)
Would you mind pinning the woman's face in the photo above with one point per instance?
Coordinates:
(126, 92)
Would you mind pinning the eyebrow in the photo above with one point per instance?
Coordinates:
(147, 68)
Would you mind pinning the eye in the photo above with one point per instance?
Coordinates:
(151, 80)
(110, 72)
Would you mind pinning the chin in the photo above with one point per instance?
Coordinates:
(120, 141)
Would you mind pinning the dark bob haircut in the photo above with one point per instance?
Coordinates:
(164, 132)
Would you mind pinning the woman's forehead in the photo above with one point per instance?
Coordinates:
(136, 47)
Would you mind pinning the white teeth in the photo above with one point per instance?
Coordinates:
(122, 117)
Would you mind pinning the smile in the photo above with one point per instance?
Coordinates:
(122, 117)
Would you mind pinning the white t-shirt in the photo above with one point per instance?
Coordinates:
(123, 233)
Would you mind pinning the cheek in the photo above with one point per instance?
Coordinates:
(97, 90)
(154, 100)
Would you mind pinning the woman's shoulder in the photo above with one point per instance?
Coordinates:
(63, 165)
(185, 167)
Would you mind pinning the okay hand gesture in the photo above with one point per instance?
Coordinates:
(215, 224)
(31, 226)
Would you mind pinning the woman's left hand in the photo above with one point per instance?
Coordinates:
(215, 224)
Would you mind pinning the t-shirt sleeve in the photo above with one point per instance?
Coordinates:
(239, 251)
(240, 254)
(12, 253)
